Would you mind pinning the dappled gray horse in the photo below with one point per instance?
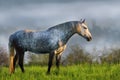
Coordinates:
(52, 41)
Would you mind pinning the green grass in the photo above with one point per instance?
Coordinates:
(75, 72)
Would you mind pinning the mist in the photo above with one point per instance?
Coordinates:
(102, 18)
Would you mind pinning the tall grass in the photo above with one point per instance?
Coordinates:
(74, 72)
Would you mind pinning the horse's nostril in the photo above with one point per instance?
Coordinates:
(90, 38)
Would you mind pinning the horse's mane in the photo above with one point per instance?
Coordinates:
(64, 25)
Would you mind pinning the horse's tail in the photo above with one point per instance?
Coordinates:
(11, 54)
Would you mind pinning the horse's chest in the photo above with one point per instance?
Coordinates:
(60, 50)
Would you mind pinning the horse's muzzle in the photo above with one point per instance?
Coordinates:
(89, 38)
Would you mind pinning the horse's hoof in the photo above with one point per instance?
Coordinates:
(23, 71)
(47, 73)
(11, 73)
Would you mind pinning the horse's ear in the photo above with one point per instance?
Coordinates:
(83, 21)
(80, 21)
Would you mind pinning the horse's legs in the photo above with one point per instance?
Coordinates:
(15, 59)
(21, 57)
(51, 56)
(58, 58)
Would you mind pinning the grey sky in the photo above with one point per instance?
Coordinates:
(41, 14)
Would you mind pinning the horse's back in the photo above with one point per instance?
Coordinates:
(20, 38)
(17, 34)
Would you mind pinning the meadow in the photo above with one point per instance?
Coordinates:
(74, 72)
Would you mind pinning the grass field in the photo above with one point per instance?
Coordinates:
(75, 72)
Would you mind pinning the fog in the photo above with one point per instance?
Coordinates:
(102, 18)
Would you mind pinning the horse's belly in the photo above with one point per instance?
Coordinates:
(39, 50)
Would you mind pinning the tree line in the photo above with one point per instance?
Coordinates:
(76, 55)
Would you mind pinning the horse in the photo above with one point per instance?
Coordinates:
(52, 41)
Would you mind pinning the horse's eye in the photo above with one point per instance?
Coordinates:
(84, 27)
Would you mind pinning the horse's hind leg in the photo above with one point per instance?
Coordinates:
(51, 56)
(15, 59)
(21, 57)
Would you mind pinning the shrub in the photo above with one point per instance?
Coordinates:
(3, 56)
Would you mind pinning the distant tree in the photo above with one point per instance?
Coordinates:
(3, 56)
(113, 57)
(37, 59)
(76, 56)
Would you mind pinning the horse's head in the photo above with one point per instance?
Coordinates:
(83, 30)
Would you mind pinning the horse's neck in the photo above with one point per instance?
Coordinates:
(65, 31)
(68, 33)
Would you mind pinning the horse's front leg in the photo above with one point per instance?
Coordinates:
(51, 56)
(58, 58)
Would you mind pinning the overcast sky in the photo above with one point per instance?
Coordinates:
(42, 14)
